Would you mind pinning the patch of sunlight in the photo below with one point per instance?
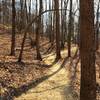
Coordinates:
(50, 59)
(56, 66)
(5, 26)
(74, 49)
(2, 90)
(64, 53)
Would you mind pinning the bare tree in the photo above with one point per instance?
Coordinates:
(70, 30)
(58, 55)
(38, 30)
(13, 28)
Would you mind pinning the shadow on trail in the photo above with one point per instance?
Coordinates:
(21, 65)
(16, 92)
(69, 91)
(50, 49)
(56, 87)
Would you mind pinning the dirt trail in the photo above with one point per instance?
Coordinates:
(56, 86)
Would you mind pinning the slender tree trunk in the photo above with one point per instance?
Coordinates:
(13, 28)
(21, 16)
(62, 26)
(87, 51)
(38, 30)
(53, 24)
(70, 30)
(58, 55)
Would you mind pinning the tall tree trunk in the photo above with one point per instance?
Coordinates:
(21, 15)
(13, 28)
(26, 13)
(38, 30)
(53, 25)
(62, 25)
(87, 51)
(58, 55)
(70, 30)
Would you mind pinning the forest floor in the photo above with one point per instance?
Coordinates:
(55, 85)
(40, 80)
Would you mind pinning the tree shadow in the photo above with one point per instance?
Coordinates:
(48, 55)
(15, 92)
(45, 44)
(50, 49)
(49, 89)
(69, 91)
(73, 69)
